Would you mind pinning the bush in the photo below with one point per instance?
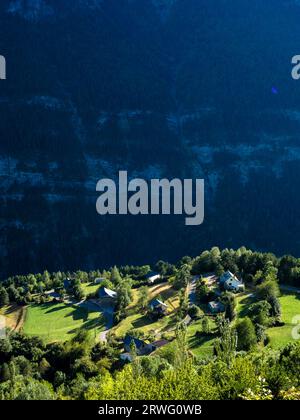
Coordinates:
(194, 311)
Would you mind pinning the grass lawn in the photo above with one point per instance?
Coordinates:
(280, 336)
(200, 346)
(90, 288)
(244, 300)
(60, 322)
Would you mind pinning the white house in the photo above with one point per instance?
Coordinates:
(231, 282)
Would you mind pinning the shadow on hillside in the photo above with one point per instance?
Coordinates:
(11, 308)
(50, 307)
(246, 301)
(78, 313)
(200, 341)
(167, 294)
(142, 322)
(88, 325)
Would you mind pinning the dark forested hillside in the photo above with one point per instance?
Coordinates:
(161, 88)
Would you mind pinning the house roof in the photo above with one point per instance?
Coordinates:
(104, 292)
(187, 320)
(155, 303)
(138, 343)
(227, 276)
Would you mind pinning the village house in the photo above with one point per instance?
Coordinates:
(216, 307)
(158, 307)
(231, 283)
(152, 277)
(142, 348)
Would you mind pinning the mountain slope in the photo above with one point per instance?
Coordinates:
(158, 88)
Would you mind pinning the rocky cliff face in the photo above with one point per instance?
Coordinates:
(184, 88)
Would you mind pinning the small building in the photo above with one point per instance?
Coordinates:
(142, 348)
(216, 307)
(187, 320)
(105, 293)
(152, 277)
(99, 280)
(158, 307)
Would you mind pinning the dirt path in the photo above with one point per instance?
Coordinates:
(21, 318)
(14, 316)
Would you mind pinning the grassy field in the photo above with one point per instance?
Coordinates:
(280, 336)
(90, 288)
(290, 305)
(60, 322)
(200, 346)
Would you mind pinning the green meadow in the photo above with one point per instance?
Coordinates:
(60, 322)
(290, 304)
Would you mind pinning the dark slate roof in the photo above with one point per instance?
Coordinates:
(156, 302)
(67, 284)
(160, 343)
